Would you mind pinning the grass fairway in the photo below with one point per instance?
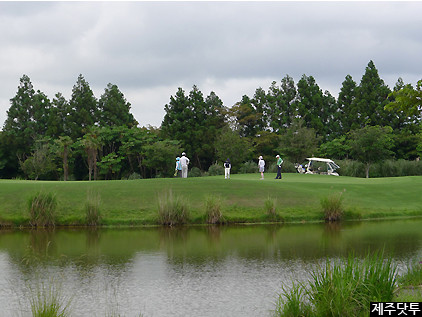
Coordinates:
(297, 197)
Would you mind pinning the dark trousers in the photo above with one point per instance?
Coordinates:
(278, 172)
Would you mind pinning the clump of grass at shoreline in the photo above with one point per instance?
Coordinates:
(172, 210)
(270, 208)
(413, 276)
(92, 209)
(213, 211)
(42, 209)
(343, 288)
(332, 207)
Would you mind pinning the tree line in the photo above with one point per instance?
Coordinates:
(90, 138)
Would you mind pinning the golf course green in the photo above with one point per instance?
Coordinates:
(296, 198)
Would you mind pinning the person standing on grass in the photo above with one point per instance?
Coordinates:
(178, 169)
(227, 167)
(279, 163)
(184, 161)
(261, 166)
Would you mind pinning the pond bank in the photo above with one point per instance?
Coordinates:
(296, 198)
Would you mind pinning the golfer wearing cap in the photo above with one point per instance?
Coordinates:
(279, 163)
(261, 166)
(184, 161)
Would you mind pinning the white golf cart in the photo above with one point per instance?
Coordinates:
(316, 165)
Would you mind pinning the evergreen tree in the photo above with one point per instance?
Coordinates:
(113, 108)
(194, 122)
(18, 124)
(371, 98)
(58, 123)
(260, 105)
(346, 113)
(315, 109)
(244, 117)
(83, 112)
(280, 104)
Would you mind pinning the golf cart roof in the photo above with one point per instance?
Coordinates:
(319, 159)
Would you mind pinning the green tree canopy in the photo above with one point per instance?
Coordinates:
(299, 142)
(83, 112)
(407, 99)
(114, 110)
(194, 122)
(371, 144)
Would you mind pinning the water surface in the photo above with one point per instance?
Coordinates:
(196, 271)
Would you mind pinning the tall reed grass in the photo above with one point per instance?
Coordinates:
(341, 288)
(172, 210)
(413, 276)
(332, 206)
(42, 209)
(270, 208)
(48, 301)
(213, 210)
(92, 209)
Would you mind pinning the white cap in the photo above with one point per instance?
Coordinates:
(260, 157)
(183, 153)
(277, 155)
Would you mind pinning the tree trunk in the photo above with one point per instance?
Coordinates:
(367, 170)
(65, 165)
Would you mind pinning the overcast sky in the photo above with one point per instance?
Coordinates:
(149, 49)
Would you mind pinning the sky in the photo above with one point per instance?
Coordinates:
(151, 48)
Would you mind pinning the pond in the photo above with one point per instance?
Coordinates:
(195, 271)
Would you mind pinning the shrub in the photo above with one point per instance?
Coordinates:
(42, 209)
(288, 167)
(134, 176)
(92, 209)
(172, 210)
(332, 206)
(213, 210)
(351, 168)
(195, 172)
(249, 167)
(215, 170)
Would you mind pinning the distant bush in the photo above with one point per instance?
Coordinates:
(385, 168)
(271, 167)
(195, 172)
(249, 167)
(42, 209)
(288, 167)
(134, 176)
(351, 168)
(216, 169)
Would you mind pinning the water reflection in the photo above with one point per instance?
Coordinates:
(193, 271)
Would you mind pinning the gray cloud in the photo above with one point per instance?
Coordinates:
(149, 49)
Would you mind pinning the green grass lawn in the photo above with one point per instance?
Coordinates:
(297, 197)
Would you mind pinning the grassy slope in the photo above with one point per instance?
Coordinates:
(298, 196)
